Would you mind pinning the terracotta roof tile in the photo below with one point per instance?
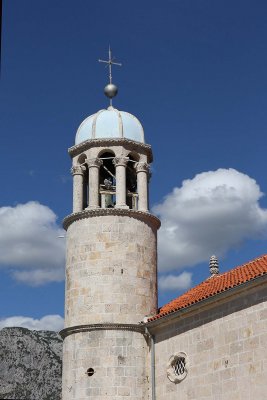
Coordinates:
(216, 284)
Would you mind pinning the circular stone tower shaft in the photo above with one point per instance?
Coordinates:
(111, 270)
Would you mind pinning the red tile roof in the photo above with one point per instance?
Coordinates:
(216, 284)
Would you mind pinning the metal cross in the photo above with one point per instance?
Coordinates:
(110, 62)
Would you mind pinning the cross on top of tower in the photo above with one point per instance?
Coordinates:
(110, 90)
(110, 62)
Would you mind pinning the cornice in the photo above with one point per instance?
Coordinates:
(99, 327)
(87, 144)
(97, 212)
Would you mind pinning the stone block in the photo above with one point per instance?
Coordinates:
(124, 391)
(205, 345)
(263, 314)
(231, 336)
(251, 343)
(236, 347)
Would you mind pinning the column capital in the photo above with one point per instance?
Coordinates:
(94, 162)
(120, 161)
(142, 166)
(77, 170)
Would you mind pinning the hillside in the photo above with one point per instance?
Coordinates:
(30, 364)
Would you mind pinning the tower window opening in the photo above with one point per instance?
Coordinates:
(179, 366)
(107, 181)
(90, 371)
(85, 187)
(131, 184)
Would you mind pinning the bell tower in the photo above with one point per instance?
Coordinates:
(111, 260)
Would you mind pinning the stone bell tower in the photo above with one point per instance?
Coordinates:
(111, 261)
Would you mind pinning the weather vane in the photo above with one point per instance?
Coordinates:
(110, 90)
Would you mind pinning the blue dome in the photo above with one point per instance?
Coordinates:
(110, 123)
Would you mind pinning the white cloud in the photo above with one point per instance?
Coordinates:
(209, 214)
(47, 323)
(37, 277)
(29, 244)
(174, 282)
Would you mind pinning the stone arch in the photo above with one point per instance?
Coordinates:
(134, 156)
(105, 150)
(81, 159)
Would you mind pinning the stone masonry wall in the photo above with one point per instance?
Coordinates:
(226, 348)
(110, 270)
(118, 358)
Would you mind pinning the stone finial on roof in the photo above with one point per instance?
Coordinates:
(214, 266)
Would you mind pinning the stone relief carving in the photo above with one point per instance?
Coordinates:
(94, 162)
(77, 170)
(120, 161)
(142, 166)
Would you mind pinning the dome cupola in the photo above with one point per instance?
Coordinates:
(110, 123)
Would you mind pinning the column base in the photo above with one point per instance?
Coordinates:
(123, 206)
(92, 207)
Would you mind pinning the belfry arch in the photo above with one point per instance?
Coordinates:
(131, 182)
(107, 180)
(82, 162)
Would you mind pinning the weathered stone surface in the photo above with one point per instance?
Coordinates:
(118, 358)
(30, 364)
(110, 270)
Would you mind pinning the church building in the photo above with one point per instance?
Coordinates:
(210, 343)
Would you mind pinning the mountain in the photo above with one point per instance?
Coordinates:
(30, 364)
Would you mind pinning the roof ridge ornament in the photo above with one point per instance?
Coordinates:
(110, 90)
(214, 266)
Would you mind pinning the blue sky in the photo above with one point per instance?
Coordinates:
(194, 73)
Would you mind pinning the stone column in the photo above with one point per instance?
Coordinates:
(120, 164)
(77, 173)
(142, 170)
(93, 166)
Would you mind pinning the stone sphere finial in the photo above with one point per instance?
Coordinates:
(214, 266)
(111, 90)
